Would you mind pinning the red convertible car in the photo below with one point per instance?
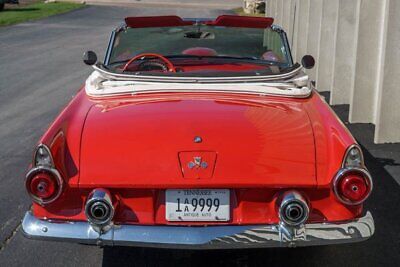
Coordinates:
(199, 134)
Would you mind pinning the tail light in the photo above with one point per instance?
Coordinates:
(352, 186)
(44, 185)
(353, 158)
(43, 182)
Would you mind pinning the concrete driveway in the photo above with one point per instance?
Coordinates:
(40, 70)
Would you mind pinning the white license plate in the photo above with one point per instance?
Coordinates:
(197, 205)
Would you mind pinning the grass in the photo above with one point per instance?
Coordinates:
(239, 11)
(14, 14)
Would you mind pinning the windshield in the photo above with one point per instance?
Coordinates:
(200, 49)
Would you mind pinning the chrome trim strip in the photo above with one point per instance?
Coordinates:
(211, 237)
(110, 47)
(287, 46)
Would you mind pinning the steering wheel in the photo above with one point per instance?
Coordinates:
(170, 66)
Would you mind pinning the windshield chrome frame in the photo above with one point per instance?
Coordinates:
(109, 48)
(285, 40)
(123, 27)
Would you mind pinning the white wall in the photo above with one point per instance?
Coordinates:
(345, 52)
(363, 98)
(356, 44)
(388, 103)
(314, 34)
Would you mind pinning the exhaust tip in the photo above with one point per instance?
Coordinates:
(99, 211)
(99, 208)
(293, 209)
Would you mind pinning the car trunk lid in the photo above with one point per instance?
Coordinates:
(198, 141)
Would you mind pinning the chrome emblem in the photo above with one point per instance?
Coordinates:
(197, 163)
(198, 139)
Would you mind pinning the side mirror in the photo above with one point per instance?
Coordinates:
(89, 58)
(308, 62)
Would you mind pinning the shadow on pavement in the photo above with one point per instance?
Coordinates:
(382, 249)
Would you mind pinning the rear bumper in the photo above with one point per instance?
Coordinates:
(211, 237)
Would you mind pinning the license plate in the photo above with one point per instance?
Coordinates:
(197, 205)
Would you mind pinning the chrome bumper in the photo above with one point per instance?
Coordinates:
(211, 237)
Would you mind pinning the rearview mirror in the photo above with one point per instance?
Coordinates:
(200, 35)
(89, 58)
(308, 62)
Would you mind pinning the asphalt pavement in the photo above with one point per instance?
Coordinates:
(41, 69)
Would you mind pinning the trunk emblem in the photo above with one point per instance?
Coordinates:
(197, 163)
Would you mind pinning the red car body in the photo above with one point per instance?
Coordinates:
(257, 146)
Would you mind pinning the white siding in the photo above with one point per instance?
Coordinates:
(356, 47)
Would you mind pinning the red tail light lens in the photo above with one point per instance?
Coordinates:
(44, 185)
(353, 186)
